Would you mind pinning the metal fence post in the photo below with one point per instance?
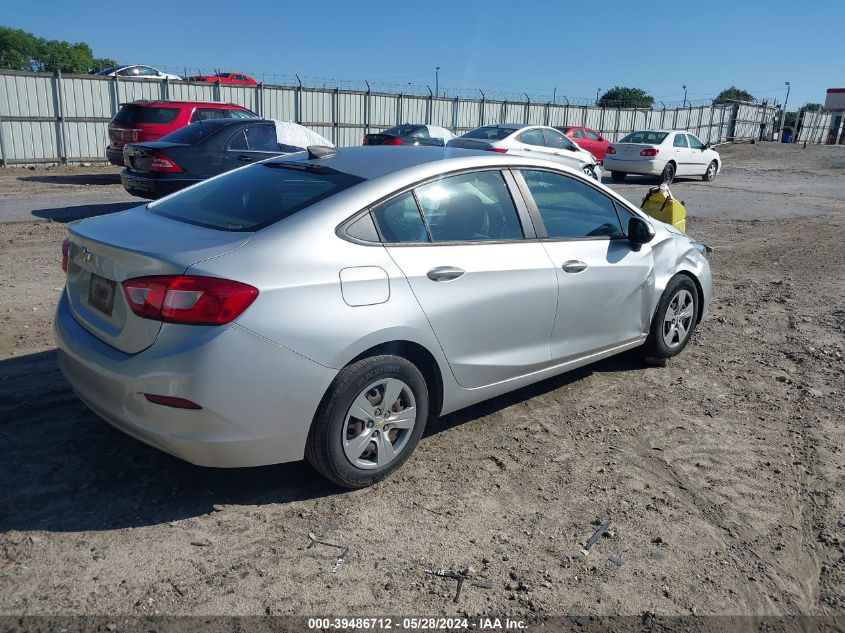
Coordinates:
(399, 109)
(58, 96)
(481, 109)
(527, 114)
(217, 90)
(502, 109)
(115, 106)
(2, 145)
(335, 95)
(297, 103)
(164, 89)
(455, 106)
(428, 105)
(367, 109)
(547, 116)
(259, 99)
(710, 126)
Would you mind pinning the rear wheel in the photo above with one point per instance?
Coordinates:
(668, 174)
(369, 421)
(618, 176)
(710, 174)
(674, 320)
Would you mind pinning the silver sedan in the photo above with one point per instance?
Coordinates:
(329, 304)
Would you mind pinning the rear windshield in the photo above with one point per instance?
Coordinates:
(130, 115)
(404, 130)
(491, 132)
(646, 138)
(252, 198)
(191, 134)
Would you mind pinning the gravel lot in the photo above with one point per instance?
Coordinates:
(722, 474)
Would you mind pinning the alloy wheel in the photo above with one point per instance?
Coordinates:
(677, 321)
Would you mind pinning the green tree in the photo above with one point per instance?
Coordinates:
(733, 94)
(623, 97)
(812, 107)
(20, 50)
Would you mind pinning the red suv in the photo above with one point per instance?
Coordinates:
(150, 120)
(238, 79)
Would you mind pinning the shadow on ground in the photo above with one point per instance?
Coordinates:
(64, 469)
(67, 214)
(97, 180)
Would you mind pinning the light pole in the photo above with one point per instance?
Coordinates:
(437, 81)
(685, 95)
(783, 112)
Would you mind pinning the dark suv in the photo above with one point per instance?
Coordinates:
(150, 120)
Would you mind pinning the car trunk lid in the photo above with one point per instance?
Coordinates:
(468, 143)
(105, 251)
(138, 157)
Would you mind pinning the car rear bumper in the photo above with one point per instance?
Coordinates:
(634, 165)
(153, 188)
(115, 156)
(258, 399)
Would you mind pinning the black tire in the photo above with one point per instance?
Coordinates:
(656, 346)
(618, 176)
(324, 448)
(710, 174)
(668, 175)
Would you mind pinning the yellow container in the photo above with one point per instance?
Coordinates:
(660, 205)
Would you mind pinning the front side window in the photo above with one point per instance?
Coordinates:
(571, 208)
(592, 135)
(695, 142)
(532, 137)
(399, 220)
(680, 140)
(470, 208)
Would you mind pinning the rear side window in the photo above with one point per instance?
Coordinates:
(204, 114)
(533, 137)
(570, 208)
(130, 115)
(577, 133)
(399, 220)
(408, 130)
(241, 114)
(252, 198)
(680, 140)
(472, 207)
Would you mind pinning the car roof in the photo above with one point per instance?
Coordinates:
(159, 103)
(375, 161)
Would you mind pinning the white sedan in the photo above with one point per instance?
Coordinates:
(138, 72)
(663, 153)
(534, 141)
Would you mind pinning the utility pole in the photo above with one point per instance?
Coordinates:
(437, 81)
(685, 95)
(783, 111)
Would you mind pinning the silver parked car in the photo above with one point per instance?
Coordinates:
(536, 141)
(328, 304)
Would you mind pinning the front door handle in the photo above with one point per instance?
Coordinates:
(444, 273)
(574, 266)
(245, 159)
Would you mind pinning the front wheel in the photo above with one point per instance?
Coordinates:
(589, 170)
(369, 422)
(674, 320)
(668, 174)
(710, 174)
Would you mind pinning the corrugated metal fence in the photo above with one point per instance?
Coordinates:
(55, 118)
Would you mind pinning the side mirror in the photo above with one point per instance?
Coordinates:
(707, 146)
(639, 232)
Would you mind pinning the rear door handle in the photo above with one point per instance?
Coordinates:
(574, 266)
(444, 273)
(246, 159)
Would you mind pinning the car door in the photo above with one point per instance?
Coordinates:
(489, 293)
(597, 145)
(683, 157)
(698, 155)
(563, 150)
(249, 144)
(533, 143)
(605, 284)
(580, 138)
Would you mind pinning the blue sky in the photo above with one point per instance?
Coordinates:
(503, 48)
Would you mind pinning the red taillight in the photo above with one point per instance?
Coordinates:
(366, 141)
(650, 151)
(171, 401)
(65, 253)
(611, 149)
(392, 141)
(498, 150)
(188, 299)
(163, 164)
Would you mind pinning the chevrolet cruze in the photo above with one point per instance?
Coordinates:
(328, 304)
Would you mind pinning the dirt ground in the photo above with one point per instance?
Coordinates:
(722, 474)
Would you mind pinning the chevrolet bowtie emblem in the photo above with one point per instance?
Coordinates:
(84, 254)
